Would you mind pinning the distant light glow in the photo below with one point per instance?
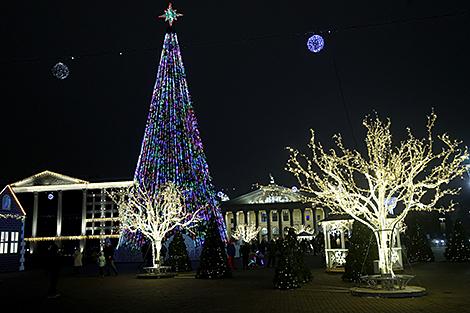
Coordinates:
(315, 43)
(50, 196)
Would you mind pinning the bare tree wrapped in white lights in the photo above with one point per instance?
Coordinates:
(413, 175)
(154, 215)
(246, 232)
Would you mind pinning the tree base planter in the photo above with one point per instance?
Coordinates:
(407, 292)
(157, 272)
(388, 286)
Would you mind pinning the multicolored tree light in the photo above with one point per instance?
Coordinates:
(172, 149)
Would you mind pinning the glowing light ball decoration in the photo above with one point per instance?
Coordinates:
(60, 71)
(315, 43)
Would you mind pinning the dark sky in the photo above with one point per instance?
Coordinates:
(255, 87)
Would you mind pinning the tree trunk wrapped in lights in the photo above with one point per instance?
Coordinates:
(246, 232)
(413, 175)
(154, 214)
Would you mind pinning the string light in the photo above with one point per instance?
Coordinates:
(34, 239)
(12, 216)
(410, 174)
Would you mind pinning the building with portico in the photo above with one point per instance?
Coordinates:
(273, 208)
(67, 210)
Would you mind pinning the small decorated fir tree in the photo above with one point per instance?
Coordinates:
(287, 270)
(458, 247)
(213, 260)
(418, 248)
(362, 253)
(178, 254)
(304, 274)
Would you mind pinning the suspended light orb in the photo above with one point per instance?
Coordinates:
(60, 71)
(315, 43)
(50, 196)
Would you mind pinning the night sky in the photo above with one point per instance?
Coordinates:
(255, 87)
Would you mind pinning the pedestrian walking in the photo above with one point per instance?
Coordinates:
(245, 252)
(101, 263)
(53, 270)
(77, 261)
(109, 255)
(231, 254)
(272, 250)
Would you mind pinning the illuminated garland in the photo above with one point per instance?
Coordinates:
(33, 239)
(172, 149)
(14, 216)
(102, 219)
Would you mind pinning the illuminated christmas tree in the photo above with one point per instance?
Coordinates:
(361, 253)
(458, 247)
(172, 149)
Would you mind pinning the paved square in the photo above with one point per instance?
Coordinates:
(249, 291)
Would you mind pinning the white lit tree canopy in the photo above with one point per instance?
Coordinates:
(414, 175)
(153, 214)
(246, 232)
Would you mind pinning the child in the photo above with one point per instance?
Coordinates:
(101, 263)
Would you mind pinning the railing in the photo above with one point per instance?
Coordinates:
(335, 258)
(386, 281)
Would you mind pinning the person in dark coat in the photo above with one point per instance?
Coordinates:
(53, 270)
(272, 249)
(231, 254)
(109, 255)
(245, 252)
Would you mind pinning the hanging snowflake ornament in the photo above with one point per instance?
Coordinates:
(170, 15)
(315, 43)
(60, 71)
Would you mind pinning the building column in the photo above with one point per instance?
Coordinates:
(268, 213)
(83, 228)
(245, 217)
(343, 244)
(302, 216)
(291, 217)
(102, 215)
(234, 213)
(59, 213)
(326, 235)
(34, 230)
(257, 224)
(93, 206)
(279, 221)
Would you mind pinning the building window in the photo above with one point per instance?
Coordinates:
(307, 217)
(285, 216)
(6, 202)
(274, 216)
(14, 242)
(319, 217)
(3, 242)
(264, 217)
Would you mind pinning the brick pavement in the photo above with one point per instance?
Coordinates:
(249, 291)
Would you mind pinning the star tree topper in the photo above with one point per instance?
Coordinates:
(170, 15)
